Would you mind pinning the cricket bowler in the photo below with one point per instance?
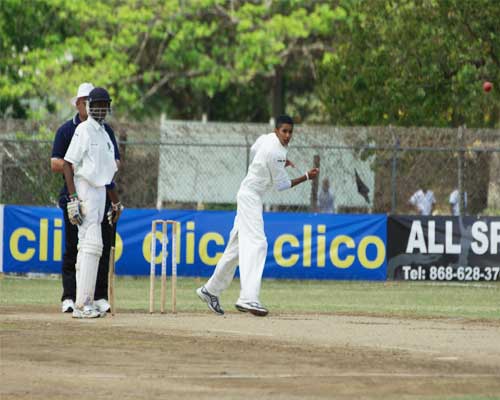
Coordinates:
(247, 246)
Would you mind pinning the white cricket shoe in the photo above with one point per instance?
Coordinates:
(253, 307)
(211, 300)
(102, 306)
(67, 306)
(87, 312)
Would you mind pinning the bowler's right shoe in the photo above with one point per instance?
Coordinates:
(253, 307)
(67, 306)
(211, 300)
(87, 312)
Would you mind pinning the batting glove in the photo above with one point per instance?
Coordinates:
(74, 210)
(114, 212)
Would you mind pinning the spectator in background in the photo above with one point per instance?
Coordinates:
(423, 201)
(326, 200)
(455, 202)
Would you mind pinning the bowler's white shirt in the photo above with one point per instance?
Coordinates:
(267, 167)
(423, 201)
(92, 153)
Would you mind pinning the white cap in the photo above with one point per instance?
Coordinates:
(83, 91)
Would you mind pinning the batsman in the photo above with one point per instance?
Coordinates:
(89, 165)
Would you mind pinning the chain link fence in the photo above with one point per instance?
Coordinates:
(196, 165)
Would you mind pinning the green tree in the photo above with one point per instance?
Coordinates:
(183, 57)
(415, 62)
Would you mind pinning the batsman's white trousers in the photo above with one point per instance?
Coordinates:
(89, 240)
(247, 247)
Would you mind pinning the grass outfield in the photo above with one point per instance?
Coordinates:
(405, 299)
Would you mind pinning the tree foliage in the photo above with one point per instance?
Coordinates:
(415, 62)
(350, 62)
(183, 57)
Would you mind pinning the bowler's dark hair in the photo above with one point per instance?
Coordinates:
(283, 119)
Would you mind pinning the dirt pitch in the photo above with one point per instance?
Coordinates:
(48, 355)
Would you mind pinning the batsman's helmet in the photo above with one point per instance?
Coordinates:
(101, 95)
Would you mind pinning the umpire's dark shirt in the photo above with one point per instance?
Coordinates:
(61, 143)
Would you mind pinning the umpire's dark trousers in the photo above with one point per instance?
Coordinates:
(69, 260)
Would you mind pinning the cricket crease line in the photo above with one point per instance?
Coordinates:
(340, 375)
(241, 333)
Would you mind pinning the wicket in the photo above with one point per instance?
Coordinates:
(164, 226)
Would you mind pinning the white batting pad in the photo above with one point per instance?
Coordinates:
(92, 240)
(89, 253)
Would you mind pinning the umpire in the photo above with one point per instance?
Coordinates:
(59, 148)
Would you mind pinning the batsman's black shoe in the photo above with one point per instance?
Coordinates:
(253, 307)
(211, 300)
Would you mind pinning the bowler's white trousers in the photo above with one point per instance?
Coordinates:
(247, 247)
(89, 240)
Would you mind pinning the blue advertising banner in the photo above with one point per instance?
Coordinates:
(300, 245)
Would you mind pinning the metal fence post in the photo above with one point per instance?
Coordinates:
(394, 173)
(461, 158)
(163, 133)
(1, 171)
(314, 184)
(247, 148)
